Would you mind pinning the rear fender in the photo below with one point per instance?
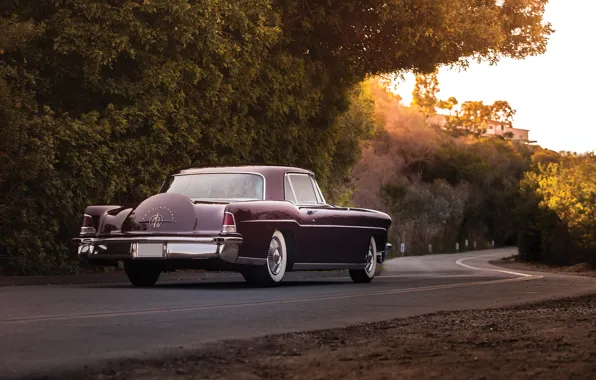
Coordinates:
(256, 221)
(99, 213)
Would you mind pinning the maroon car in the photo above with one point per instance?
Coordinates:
(261, 221)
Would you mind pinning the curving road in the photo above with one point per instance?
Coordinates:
(49, 328)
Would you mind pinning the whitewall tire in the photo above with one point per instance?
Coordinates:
(368, 273)
(275, 267)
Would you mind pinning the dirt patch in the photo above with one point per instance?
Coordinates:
(550, 340)
(513, 263)
(580, 268)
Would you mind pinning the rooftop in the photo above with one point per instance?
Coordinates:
(260, 169)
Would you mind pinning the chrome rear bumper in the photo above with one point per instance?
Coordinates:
(158, 248)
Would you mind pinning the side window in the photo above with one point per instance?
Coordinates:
(289, 196)
(303, 188)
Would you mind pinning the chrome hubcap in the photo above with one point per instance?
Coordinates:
(370, 260)
(275, 257)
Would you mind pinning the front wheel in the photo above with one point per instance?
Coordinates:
(368, 273)
(275, 269)
(142, 273)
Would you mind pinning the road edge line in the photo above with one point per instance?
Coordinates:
(460, 262)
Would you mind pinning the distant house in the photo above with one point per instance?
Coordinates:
(494, 129)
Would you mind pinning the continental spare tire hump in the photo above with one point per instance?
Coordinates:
(166, 212)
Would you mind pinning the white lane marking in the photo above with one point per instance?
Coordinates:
(56, 317)
(460, 262)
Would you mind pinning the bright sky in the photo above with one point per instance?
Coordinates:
(553, 94)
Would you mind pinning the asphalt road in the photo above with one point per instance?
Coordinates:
(56, 327)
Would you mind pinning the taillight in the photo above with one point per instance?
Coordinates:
(229, 223)
(87, 225)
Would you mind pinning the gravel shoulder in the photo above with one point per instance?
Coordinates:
(514, 264)
(548, 340)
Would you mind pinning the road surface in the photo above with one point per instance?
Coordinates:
(53, 328)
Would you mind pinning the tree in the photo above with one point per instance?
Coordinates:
(475, 116)
(502, 112)
(424, 95)
(472, 116)
(374, 37)
(14, 102)
(425, 210)
(448, 104)
(442, 188)
(113, 95)
(358, 123)
(557, 214)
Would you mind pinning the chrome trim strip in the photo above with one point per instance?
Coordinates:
(327, 266)
(234, 172)
(163, 239)
(312, 225)
(340, 226)
(270, 220)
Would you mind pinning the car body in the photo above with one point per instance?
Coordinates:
(261, 221)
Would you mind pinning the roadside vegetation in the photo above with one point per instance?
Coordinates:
(100, 100)
(443, 186)
(557, 209)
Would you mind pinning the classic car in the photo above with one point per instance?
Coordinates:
(261, 221)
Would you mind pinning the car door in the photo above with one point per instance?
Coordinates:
(345, 241)
(300, 191)
(325, 236)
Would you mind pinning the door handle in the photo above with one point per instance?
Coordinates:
(310, 212)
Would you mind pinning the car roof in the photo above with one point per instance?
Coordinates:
(260, 169)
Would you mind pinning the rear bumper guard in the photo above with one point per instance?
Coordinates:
(158, 248)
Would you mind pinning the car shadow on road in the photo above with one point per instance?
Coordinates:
(236, 285)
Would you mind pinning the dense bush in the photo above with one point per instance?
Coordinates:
(557, 211)
(443, 186)
(439, 187)
(101, 99)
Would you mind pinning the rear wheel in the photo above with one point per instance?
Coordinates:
(143, 274)
(368, 273)
(275, 268)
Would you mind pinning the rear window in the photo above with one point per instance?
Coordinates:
(217, 186)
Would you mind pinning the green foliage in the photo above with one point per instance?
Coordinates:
(424, 95)
(557, 214)
(427, 212)
(440, 188)
(475, 116)
(344, 149)
(101, 99)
